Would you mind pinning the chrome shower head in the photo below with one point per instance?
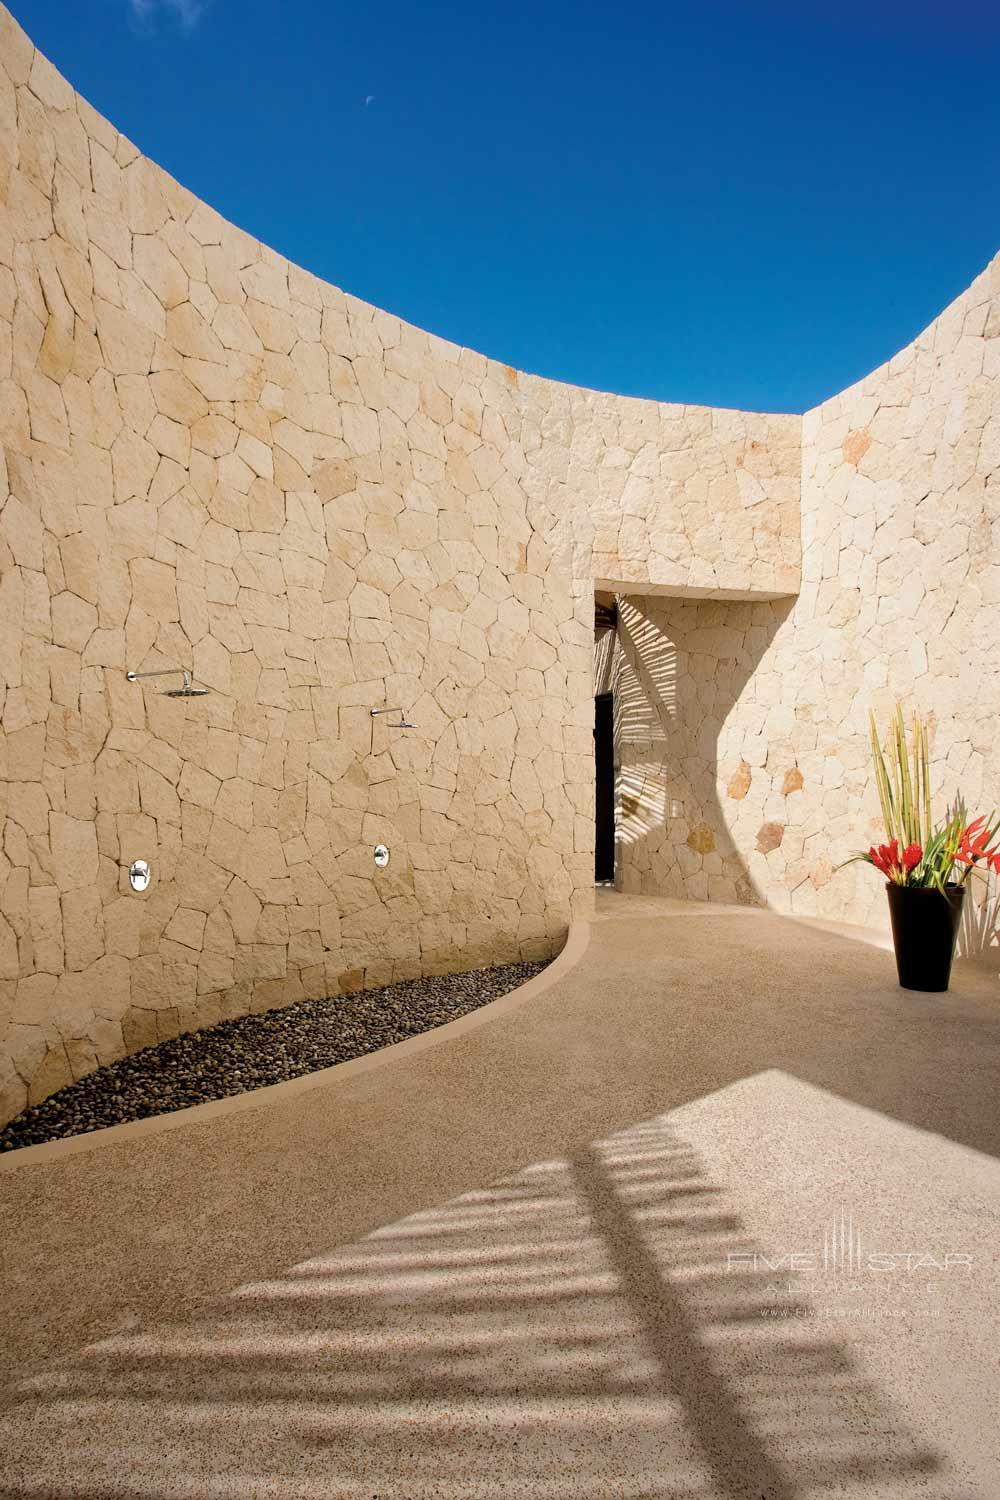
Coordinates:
(403, 724)
(184, 691)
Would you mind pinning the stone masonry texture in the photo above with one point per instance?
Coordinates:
(212, 460)
(742, 735)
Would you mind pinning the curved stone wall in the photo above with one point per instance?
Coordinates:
(215, 461)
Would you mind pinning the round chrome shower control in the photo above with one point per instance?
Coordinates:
(139, 875)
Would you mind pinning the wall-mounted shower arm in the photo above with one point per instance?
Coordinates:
(183, 672)
(186, 690)
(403, 724)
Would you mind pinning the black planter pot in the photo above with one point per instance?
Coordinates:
(925, 926)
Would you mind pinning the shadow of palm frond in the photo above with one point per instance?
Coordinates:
(677, 667)
(593, 1325)
(979, 935)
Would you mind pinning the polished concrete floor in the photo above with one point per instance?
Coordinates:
(712, 1211)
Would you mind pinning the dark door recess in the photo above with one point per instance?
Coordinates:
(604, 766)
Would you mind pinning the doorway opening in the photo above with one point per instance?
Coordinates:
(604, 786)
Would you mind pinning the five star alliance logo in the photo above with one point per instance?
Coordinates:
(844, 1252)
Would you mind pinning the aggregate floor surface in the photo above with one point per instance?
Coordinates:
(710, 1212)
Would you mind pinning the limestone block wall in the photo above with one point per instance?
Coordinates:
(671, 499)
(213, 460)
(901, 566)
(742, 727)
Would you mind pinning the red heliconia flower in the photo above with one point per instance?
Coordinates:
(981, 836)
(977, 843)
(885, 857)
(974, 844)
(912, 855)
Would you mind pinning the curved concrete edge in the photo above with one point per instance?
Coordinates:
(572, 951)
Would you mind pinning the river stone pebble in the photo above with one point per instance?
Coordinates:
(250, 1052)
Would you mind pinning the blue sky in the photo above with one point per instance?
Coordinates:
(743, 204)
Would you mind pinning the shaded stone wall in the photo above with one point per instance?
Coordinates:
(213, 460)
(742, 727)
(707, 789)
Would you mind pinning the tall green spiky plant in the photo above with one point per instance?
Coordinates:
(917, 854)
(904, 783)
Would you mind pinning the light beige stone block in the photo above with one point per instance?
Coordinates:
(82, 927)
(74, 852)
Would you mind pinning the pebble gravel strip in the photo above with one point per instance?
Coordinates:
(253, 1051)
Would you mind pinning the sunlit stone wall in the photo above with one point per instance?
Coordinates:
(742, 727)
(213, 460)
